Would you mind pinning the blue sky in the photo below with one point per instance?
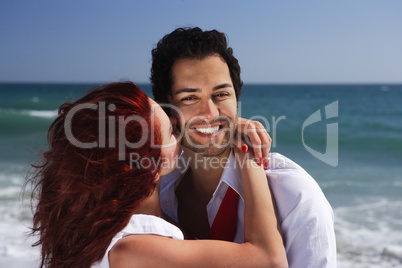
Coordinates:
(354, 41)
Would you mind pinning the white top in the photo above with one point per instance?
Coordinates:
(306, 217)
(141, 224)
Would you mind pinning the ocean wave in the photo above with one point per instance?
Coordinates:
(23, 122)
(6, 112)
(369, 233)
(15, 220)
(15, 217)
(9, 193)
(44, 114)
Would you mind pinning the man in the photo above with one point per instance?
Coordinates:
(196, 71)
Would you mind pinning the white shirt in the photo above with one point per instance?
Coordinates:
(306, 217)
(141, 224)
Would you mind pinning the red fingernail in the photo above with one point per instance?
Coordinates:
(266, 165)
(260, 161)
(244, 148)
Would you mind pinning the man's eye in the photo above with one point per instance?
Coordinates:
(188, 99)
(221, 95)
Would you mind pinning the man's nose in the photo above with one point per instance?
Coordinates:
(209, 110)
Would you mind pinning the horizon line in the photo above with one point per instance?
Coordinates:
(244, 83)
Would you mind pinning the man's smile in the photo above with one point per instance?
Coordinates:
(208, 130)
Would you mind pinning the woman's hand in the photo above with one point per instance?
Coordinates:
(252, 134)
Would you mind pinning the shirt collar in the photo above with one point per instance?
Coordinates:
(173, 178)
(232, 176)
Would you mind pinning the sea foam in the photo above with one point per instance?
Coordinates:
(44, 114)
(369, 233)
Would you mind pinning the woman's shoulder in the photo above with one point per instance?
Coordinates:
(149, 224)
(133, 249)
(142, 233)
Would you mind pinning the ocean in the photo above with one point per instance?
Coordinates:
(348, 137)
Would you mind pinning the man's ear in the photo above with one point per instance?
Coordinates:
(157, 177)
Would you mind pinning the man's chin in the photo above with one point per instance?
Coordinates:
(211, 151)
(214, 148)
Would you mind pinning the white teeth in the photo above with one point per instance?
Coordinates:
(209, 130)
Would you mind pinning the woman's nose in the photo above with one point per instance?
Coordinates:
(173, 120)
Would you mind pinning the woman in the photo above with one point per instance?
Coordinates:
(94, 201)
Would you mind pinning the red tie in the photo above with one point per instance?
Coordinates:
(225, 224)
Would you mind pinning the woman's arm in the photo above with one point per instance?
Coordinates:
(261, 226)
(263, 245)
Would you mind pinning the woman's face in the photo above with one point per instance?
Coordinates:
(170, 144)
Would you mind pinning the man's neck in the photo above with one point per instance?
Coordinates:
(206, 171)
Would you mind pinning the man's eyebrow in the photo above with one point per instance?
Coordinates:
(191, 90)
(187, 90)
(225, 85)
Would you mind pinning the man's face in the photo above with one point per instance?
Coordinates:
(203, 92)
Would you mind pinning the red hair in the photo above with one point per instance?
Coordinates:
(86, 196)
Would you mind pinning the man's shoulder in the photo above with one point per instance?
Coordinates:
(293, 187)
(283, 170)
(304, 212)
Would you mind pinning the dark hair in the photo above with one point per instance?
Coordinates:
(86, 196)
(189, 43)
